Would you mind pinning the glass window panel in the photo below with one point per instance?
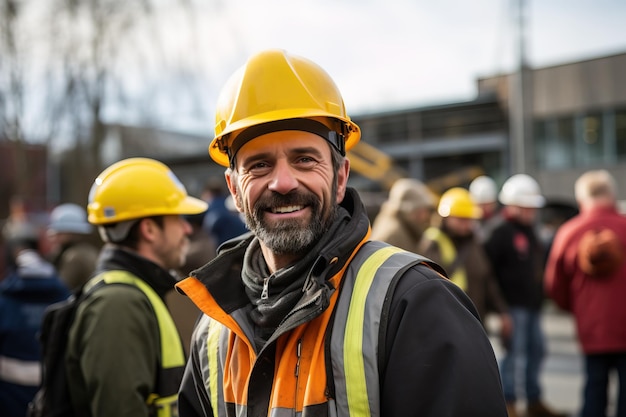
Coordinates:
(540, 143)
(620, 134)
(560, 140)
(592, 145)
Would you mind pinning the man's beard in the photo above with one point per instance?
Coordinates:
(290, 236)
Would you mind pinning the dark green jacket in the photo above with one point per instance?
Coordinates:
(114, 349)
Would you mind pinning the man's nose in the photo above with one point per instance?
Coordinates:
(283, 178)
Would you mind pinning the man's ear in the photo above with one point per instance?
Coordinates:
(231, 180)
(148, 229)
(342, 179)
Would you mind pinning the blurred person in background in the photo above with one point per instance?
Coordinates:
(220, 222)
(125, 357)
(71, 249)
(202, 247)
(484, 192)
(454, 245)
(586, 275)
(517, 258)
(16, 218)
(201, 250)
(405, 215)
(29, 287)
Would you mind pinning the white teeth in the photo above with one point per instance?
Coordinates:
(287, 209)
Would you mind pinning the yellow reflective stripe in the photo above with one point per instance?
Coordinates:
(356, 387)
(166, 406)
(172, 351)
(212, 352)
(448, 254)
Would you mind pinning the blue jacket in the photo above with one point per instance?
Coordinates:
(25, 293)
(221, 223)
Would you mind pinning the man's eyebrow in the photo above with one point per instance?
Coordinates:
(303, 150)
(307, 150)
(256, 157)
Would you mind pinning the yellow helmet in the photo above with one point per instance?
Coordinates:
(138, 187)
(278, 91)
(457, 202)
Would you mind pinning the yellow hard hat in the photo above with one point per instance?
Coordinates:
(457, 202)
(276, 91)
(138, 187)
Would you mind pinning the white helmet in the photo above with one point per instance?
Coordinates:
(483, 189)
(69, 218)
(523, 191)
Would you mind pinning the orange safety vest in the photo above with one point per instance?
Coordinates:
(299, 367)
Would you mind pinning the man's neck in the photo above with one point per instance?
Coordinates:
(276, 262)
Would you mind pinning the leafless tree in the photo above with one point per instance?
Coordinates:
(89, 56)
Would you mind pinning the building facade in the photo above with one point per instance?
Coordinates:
(576, 119)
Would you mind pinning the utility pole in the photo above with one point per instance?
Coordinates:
(520, 101)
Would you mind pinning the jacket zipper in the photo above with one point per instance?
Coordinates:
(265, 292)
(297, 372)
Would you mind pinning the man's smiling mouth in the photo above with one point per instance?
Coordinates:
(286, 209)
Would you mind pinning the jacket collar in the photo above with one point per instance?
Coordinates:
(115, 257)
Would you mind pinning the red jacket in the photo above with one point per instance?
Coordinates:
(597, 303)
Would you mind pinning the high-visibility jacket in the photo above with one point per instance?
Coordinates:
(448, 255)
(305, 358)
(164, 400)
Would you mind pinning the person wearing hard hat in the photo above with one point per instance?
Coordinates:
(453, 244)
(71, 249)
(405, 215)
(517, 257)
(124, 355)
(305, 315)
(484, 192)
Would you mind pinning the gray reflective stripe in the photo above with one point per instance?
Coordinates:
(20, 372)
(210, 337)
(284, 412)
(354, 338)
(241, 410)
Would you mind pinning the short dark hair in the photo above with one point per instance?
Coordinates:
(132, 237)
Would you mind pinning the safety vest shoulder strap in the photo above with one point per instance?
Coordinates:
(448, 251)
(450, 257)
(355, 342)
(172, 352)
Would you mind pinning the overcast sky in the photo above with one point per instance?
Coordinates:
(383, 54)
(390, 54)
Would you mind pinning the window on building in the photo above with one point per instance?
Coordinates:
(539, 133)
(592, 142)
(554, 143)
(620, 134)
(393, 129)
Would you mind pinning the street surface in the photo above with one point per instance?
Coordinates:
(562, 377)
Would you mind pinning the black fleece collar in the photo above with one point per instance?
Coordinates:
(117, 258)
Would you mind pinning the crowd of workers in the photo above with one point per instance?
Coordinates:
(300, 309)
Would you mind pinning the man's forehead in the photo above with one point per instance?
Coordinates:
(285, 141)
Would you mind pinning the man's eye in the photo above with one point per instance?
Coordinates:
(258, 167)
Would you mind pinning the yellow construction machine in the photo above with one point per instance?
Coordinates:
(374, 164)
